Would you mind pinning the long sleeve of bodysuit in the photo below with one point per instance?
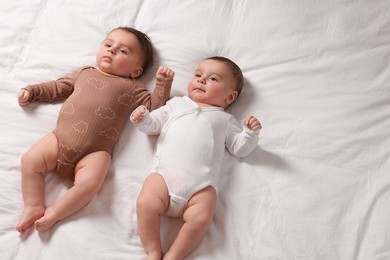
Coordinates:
(156, 98)
(62, 88)
(153, 123)
(53, 90)
(240, 141)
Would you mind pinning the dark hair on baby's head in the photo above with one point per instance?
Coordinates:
(237, 73)
(146, 46)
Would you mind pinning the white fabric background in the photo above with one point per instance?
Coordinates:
(317, 76)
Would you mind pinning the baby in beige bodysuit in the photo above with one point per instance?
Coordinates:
(97, 104)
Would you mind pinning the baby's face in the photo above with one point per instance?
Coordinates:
(213, 84)
(120, 54)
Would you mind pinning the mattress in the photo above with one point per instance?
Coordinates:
(317, 76)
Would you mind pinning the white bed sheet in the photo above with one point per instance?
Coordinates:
(316, 74)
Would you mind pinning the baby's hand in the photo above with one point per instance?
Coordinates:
(23, 97)
(252, 123)
(165, 73)
(138, 115)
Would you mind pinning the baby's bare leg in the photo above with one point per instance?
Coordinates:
(90, 173)
(40, 158)
(152, 202)
(197, 218)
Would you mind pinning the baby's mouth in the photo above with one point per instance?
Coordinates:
(107, 58)
(198, 88)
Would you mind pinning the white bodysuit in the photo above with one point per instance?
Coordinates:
(191, 146)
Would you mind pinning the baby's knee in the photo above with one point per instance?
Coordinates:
(142, 203)
(203, 219)
(27, 161)
(90, 185)
(149, 204)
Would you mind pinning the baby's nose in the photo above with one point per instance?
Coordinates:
(201, 80)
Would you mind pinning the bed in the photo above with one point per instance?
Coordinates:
(317, 75)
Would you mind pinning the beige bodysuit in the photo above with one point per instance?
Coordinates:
(96, 108)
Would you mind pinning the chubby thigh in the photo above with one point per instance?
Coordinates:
(42, 156)
(154, 197)
(201, 207)
(92, 169)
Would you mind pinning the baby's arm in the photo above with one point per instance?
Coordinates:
(23, 97)
(162, 91)
(252, 123)
(49, 91)
(242, 141)
(150, 123)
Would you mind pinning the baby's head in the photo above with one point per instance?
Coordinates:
(125, 52)
(217, 82)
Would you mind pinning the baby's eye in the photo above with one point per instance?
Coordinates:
(213, 79)
(107, 45)
(197, 75)
(123, 51)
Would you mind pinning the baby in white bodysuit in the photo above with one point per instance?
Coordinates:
(193, 133)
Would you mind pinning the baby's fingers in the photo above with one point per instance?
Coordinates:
(165, 72)
(170, 73)
(23, 97)
(138, 114)
(252, 123)
(135, 117)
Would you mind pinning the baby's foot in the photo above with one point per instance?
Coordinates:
(46, 221)
(30, 215)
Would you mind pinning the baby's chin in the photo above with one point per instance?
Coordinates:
(110, 72)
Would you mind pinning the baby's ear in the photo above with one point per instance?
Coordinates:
(136, 73)
(230, 99)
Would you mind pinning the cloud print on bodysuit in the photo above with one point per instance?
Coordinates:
(126, 99)
(81, 127)
(97, 83)
(111, 133)
(68, 108)
(69, 153)
(105, 112)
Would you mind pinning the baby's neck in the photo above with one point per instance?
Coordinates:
(205, 104)
(109, 74)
